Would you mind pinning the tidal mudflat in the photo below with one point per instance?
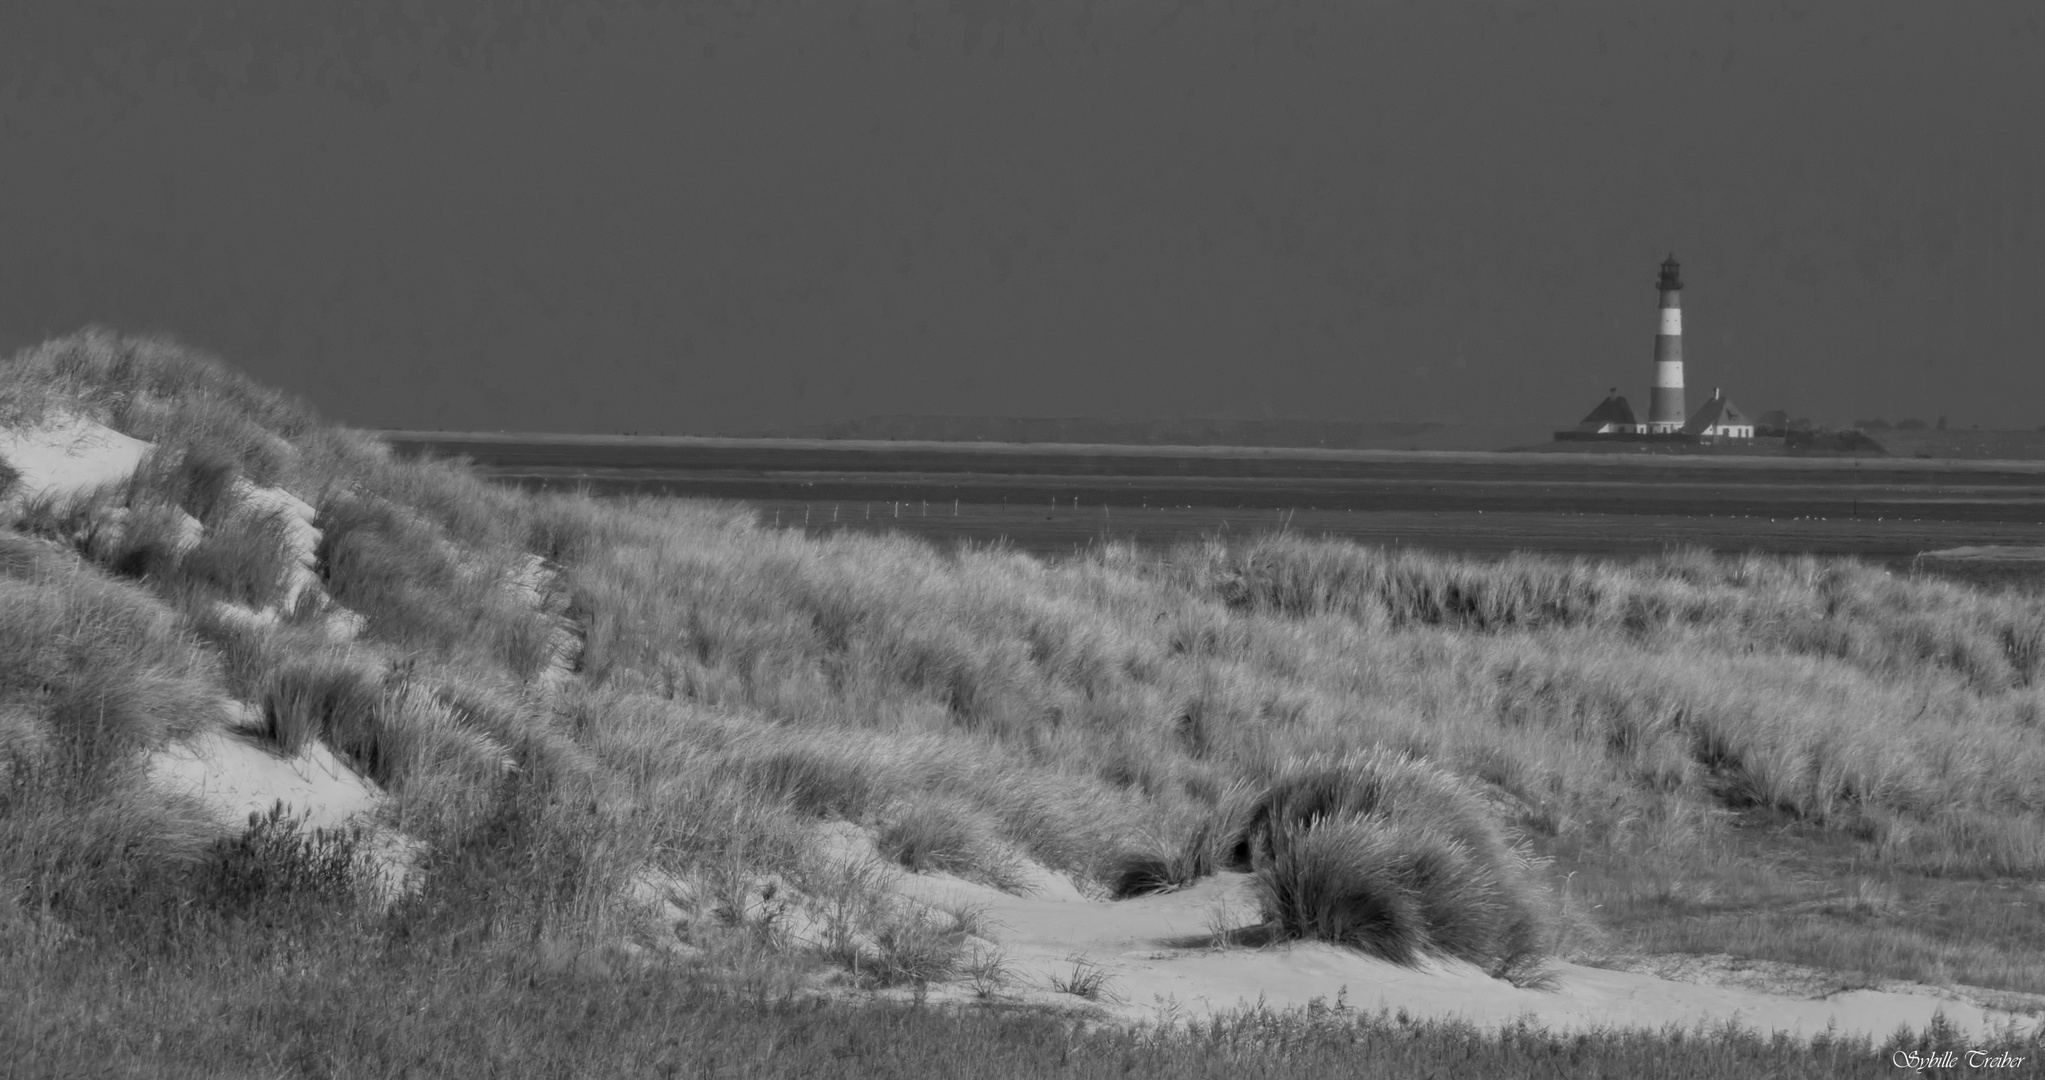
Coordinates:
(1050, 499)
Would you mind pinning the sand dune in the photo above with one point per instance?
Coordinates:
(223, 768)
(1152, 952)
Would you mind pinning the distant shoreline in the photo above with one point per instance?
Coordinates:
(1619, 456)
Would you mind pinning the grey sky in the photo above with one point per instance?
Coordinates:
(684, 219)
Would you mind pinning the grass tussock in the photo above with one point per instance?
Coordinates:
(104, 670)
(1394, 857)
(947, 834)
(245, 559)
(334, 698)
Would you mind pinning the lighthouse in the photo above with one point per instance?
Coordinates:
(1665, 399)
(1718, 421)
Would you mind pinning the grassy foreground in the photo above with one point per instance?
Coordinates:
(425, 1013)
(1788, 759)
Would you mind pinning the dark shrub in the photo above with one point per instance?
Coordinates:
(276, 859)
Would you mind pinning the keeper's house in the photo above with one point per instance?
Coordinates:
(1719, 421)
(1613, 416)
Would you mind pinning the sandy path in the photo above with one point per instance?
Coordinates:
(1155, 966)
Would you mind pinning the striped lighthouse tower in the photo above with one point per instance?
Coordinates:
(1665, 399)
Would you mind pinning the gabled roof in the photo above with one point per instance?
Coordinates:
(1613, 410)
(1719, 410)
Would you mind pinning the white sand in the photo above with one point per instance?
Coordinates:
(68, 455)
(1158, 965)
(234, 777)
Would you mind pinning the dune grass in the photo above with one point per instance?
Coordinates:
(421, 1010)
(1394, 742)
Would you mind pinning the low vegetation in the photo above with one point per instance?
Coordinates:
(1797, 759)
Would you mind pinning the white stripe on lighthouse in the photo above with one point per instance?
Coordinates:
(1668, 374)
(1672, 320)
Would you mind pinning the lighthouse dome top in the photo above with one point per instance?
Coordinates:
(1670, 278)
